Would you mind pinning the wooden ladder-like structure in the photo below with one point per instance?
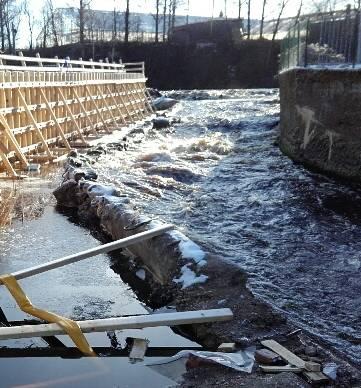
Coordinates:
(48, 108)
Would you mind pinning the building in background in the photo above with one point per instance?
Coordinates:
(214, 31)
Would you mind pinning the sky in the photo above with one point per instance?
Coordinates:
(196, 7)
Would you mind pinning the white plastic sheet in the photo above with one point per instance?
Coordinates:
(173, 367)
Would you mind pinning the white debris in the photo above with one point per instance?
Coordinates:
(189, 278)
(330, 370)
(141, 274)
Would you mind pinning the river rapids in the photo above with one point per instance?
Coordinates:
(221, 178)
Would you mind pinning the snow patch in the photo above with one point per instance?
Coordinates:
(189, 249)
(189, 278)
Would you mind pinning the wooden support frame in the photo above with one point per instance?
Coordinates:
(72, 116)
(61, 133)
(96, 109)
(116, 104)
(100, 93)
(84, 111)
(46, 103)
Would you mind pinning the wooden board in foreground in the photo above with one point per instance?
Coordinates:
(136, 322)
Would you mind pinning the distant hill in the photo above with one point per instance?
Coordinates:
(104, 20)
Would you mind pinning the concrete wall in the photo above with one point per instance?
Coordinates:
(321, 119)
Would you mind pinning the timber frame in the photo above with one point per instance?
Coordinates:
(47, 108)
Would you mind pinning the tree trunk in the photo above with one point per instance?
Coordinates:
(157, 22)
(275, 31)
(249, 20)
(81, 21)
(126, 20)
(165, 19)
(262, 19)
(174, 8)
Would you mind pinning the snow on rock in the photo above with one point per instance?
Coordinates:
(189, 249)
(141, 274)
(189, 278)
(102, 191)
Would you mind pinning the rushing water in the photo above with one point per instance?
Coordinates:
(221, 177)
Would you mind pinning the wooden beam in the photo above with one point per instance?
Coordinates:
(84, 111)
(290, 357)
(11, 138)
(125, 242)
(96, 108)
(111, 324)
(279, 369)
(130, 99)
(106, 104)
(71, 116)
(116, 104)
(7, 164)
(32, 119)
(60, 130)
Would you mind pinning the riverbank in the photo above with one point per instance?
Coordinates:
(204, 281)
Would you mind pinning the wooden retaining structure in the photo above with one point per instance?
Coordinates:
(49, 106)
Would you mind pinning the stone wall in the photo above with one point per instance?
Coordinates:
(321, 119)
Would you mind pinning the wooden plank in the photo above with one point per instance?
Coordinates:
(38, 131)
(125, 242)
(290, 357)
(60, 130)
(7, 165)
(12, 140)
(316, 377)
(279, 369)
(110, 324)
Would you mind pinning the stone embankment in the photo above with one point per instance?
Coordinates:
(320, 119)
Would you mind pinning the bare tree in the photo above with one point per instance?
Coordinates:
(165, 18)
(249, 20)
(31, 24)
(282, 6)
(52, 19)
(262, 19)
(156, 18)
(126, 23)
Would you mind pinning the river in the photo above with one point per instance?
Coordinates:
(220, 176)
